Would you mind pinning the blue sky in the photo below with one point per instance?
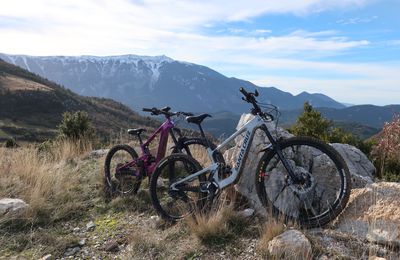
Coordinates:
(347, 49)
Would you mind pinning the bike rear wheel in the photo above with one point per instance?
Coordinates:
(121, 174)
(321, 195)
(171, 204)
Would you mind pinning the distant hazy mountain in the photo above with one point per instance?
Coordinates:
(142, 81)
(363, 120)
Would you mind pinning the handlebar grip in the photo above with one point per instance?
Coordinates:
(244, 92)
(147, 109)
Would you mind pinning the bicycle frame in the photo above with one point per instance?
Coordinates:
(249, 129)
(149, 161)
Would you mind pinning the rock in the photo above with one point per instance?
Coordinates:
(12, 206)
(82, 242)
(71, 251)
(291, 244)
(246, 213)
(98, 153)
(90, 226)
(339, 245)
(376, 258)
(111, 246)
(360, 167)
(46, 257)
(246, 184)
(161, 183)
(373, 213)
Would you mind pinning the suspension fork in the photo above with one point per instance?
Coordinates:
(277, 148)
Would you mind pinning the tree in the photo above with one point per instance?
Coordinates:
(76, 125)
(386, 152)
(311, 123)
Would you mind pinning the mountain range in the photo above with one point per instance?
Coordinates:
(143, 81)
(31, 107)
(147, 81)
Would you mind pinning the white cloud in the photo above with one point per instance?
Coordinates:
(159, 27)
(154, 27)
(357, 20)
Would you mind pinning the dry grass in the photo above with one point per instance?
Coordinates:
(271, 229)
(46, 178)
(219, 224)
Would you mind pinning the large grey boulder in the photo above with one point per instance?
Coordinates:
(360, 167)
(373, 213)
(246, 183)
(12, 206)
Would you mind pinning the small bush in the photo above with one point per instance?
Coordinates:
(76, 126)
(11, 143)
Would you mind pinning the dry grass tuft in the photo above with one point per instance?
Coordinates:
(211, 228)
(219, 224)
(47, 179)
(146, 247)
(272, 228)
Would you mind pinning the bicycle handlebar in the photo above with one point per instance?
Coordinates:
(250, 98)
(165, 111)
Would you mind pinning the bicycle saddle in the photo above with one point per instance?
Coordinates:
(197, 119)
(165, 109)
(136, 131)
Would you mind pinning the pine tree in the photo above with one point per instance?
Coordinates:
(311, 123)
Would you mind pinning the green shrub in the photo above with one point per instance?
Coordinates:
(312, 123)
(76, 126)
(11, 143)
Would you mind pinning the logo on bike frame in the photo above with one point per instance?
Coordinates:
(243, 149)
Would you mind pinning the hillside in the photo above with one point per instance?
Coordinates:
(31, 107)
(139, 81)
(224, 123)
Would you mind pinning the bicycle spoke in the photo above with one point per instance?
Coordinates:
(313, 199)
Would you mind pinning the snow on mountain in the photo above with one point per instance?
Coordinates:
(143, 81)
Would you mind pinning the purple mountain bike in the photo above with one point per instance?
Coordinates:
(124, 170)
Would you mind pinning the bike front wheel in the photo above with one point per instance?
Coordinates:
(323, 191)
(173, 204)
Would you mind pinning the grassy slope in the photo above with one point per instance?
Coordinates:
(64, 192)
(31, 107)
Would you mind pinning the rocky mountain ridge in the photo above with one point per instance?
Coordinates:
(140, 81)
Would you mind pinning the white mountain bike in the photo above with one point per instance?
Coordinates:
(302, 179)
